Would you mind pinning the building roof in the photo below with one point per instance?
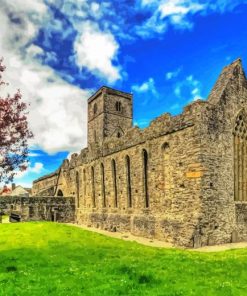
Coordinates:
(46, 176)
(19, 190)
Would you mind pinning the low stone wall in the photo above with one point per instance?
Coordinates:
(60, 209)
(145, 225)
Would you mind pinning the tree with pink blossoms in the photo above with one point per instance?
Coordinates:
(14, 133)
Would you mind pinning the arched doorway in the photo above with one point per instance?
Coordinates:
(60, 192)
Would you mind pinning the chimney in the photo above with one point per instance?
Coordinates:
(13, 186)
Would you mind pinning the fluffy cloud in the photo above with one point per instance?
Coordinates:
(179, 13)
(96, 50)
(37, 168)
(145, 87)
(58, 110)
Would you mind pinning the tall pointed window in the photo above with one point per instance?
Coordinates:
(240, 157)
(78, 189)
(103, 184)
(145, 177)
(127, 159)
(166, 164)
(114, 179)
(84, 183)
(93, 187)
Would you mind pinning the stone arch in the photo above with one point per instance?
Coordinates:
(240, 156)
(118, 132)
(59, 192)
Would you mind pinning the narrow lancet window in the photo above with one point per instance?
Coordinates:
(78, 189)
(240, 157)
(166, 164)
(103, 184)
(93, 187)
(128, 181)
(84, 183)
(145, 177)
(114, 179)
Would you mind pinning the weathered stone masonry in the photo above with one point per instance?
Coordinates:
(181, 180)
(41, 208)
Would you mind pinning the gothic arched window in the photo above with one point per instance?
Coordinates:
(93, 187)
(127, 159)
(114, 178)
(240, 157)
(77, 189)
(103, 184)
(60, 192)
(166, 163)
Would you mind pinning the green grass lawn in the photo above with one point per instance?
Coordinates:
(55, 259)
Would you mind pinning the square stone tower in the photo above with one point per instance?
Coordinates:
(109, 114)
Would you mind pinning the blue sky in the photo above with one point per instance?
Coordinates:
(167, 52)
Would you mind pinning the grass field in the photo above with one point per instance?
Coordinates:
(54, 259)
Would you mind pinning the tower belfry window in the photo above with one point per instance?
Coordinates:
(95, 108)
(240, 157)
(118, 106)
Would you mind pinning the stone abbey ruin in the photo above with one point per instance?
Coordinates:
(182, 180)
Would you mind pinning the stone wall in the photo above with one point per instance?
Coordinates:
(46, 186)
(174, 180)
(58, 209)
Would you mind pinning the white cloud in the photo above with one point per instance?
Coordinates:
(33, 154)
(37, 168)
(97, 50)
(173, 74)
(58, 110)
(147, 86)
(189, 87)
(179, 13)
(168, 12)
(178, 8)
